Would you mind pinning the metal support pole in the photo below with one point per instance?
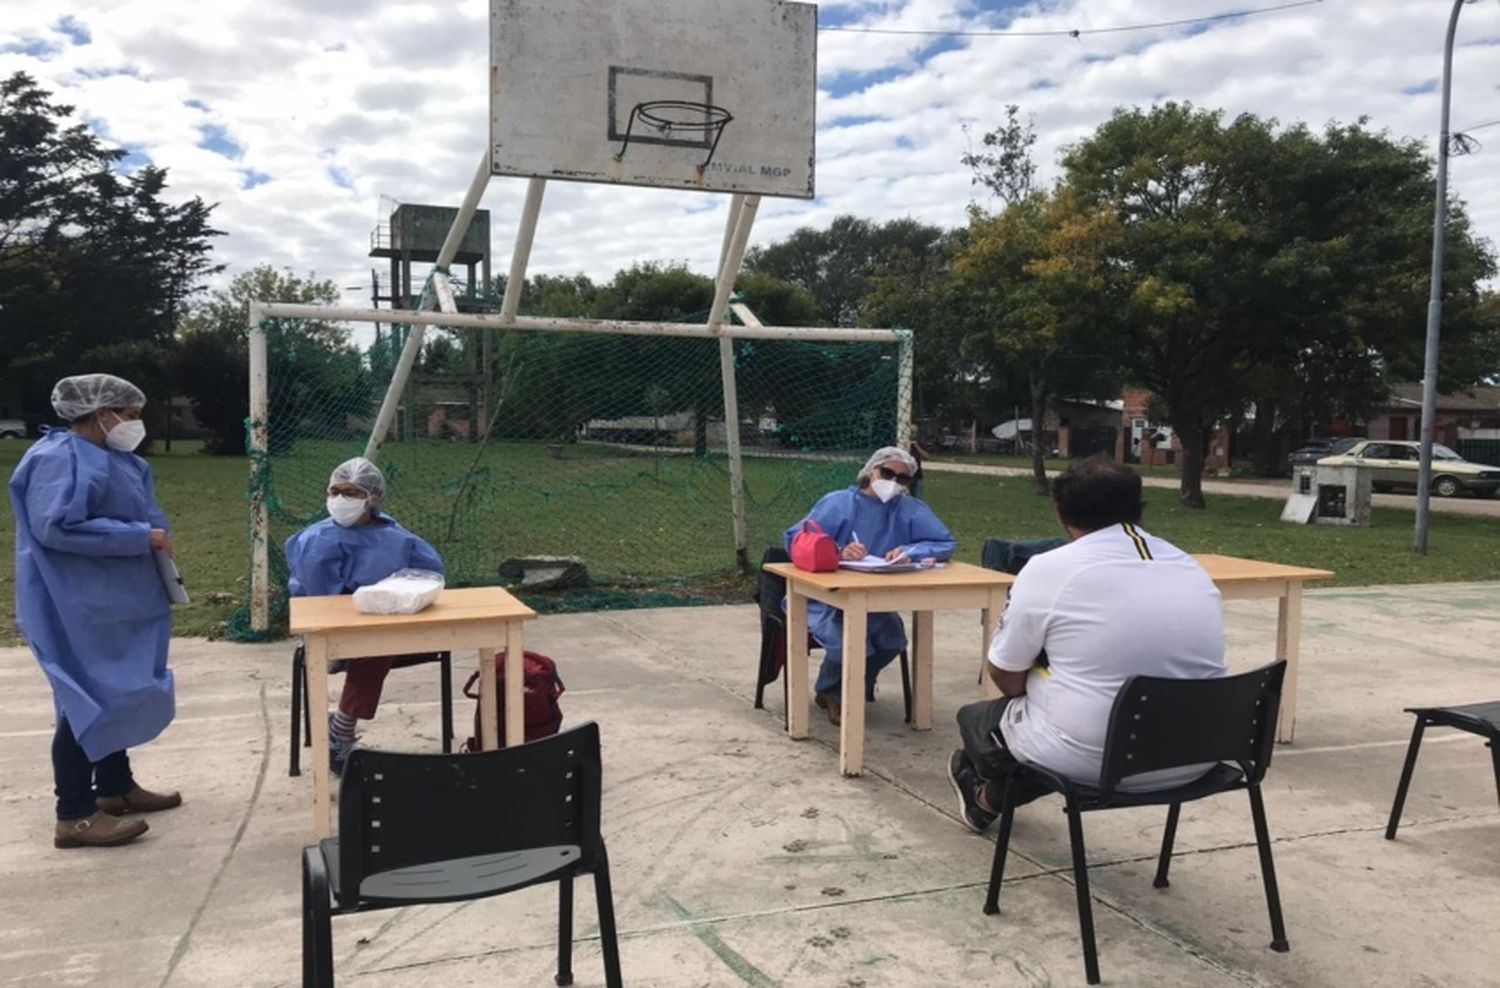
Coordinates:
(1435, 296)
(413, 345)
(260, 449)
(515, 282)
(905, 357)
(741, 217)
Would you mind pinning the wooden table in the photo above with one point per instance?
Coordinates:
(477, 618)
(957, 586)
(1250, 579)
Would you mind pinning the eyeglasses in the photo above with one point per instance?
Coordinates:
(886, 473)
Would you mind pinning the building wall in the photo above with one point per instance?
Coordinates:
(1158, 446)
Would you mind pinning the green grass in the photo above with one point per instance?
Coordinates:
(658, 521)
(1052, 463)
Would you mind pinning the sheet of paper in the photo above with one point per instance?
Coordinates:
(170, 578)
(875, 564)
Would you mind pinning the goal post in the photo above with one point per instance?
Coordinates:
(843, 391)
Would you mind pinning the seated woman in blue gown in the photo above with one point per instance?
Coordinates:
(876, 516)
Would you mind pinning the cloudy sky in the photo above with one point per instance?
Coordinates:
(298, 117)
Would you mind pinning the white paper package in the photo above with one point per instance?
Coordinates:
(405, 591)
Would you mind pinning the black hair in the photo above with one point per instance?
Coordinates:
(1097, 493)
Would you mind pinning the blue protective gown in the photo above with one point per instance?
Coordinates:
(900, 523)
(88, 596)
(326, 558)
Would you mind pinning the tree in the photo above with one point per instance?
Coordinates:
(1231, 265)
(838, 265)
(318, 377)
(88, 258)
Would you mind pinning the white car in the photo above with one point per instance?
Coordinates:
(12, 429)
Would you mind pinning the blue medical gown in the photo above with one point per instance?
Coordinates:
(900, 523)
(88, 596)
(327, 558)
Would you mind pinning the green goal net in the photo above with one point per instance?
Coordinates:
(609, 448)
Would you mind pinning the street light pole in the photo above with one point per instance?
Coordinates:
(1435, 297)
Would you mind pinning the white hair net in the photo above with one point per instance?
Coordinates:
(75, 397)
(362, 474)
(884, 455)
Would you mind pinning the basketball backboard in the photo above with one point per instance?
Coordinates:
(714, 95)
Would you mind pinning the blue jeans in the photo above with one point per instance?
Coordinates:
(831, 673)
(79, 781)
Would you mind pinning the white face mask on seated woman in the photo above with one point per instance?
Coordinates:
(885, 489)
(346, 510)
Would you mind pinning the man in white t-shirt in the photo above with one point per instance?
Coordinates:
(1115, 602)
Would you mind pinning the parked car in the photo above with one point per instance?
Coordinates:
(12, 429)
(1394, 464)
(1316, 449)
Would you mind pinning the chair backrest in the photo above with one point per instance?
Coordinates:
(770, 589)
(1159, 723)
(398, 810)
(1012, 555)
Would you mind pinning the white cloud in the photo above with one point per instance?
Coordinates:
(392, 99)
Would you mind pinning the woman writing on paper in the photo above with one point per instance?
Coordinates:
(871, 518)
(92, 605)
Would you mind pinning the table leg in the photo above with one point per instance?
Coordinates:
(317, 708)
(1288, 644)
(852, 728)
(922, 660)
(515, 686)
(489, 727)
(990, 617)
(797, 700)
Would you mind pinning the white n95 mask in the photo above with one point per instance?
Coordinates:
(885, 489)
(346, 510)
(126, 435)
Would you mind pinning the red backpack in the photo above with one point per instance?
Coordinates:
(543, 687)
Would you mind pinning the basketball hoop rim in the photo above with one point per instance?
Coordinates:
(714, 116)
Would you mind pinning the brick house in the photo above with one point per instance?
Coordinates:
(1150, 443)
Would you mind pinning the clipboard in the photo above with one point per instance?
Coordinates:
(171, 579)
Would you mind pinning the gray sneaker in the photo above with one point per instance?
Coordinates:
(338, 750)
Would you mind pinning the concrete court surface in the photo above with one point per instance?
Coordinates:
(741, 858)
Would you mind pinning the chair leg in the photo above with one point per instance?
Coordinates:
(565, 931)
(1081, 886)
(317, 926)
(1406, 770)
(299, 671)
(906, 682)
(1167, 838)
(1268, 871)
(1495, 757)
(608, 939)
(1002, 849)
(445, 675)
(306, 709)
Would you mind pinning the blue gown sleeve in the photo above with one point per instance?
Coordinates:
(929, 537)
(57, 514)
(424, 556)
(832, 513)
(314, 565)
(154, 512)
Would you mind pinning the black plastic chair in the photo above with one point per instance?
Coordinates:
(1160, 724)
(302, 709)
(770, 591)
(1482, 719)
(1012, 555)
(419, 829)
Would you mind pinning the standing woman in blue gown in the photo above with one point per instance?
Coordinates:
(877, 516)
(92, 606)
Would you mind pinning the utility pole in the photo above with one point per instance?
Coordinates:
(1435, 296)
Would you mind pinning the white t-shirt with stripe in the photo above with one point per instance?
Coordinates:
(1112, 604)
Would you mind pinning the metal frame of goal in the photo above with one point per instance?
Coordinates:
(438, 295)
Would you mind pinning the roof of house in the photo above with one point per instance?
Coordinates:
(1482, 398)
